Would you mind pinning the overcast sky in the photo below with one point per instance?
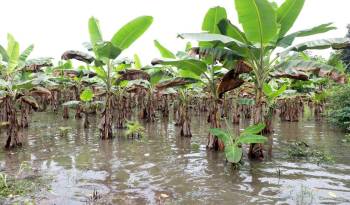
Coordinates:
(58, 25)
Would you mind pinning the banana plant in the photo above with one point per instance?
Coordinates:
(71, 81)
(265, 32)
(63, 78)
(163, 79)
(85, 103)
(17, 91)
(271, 94)
(207, 75)
(182, 115)
(233, 143)
(164, 75)
(105, 52)
(134, 129)
(208, 72)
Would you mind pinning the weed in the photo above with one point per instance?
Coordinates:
(346, 138)
(301, 149)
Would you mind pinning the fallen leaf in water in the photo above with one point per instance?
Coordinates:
(164, 195)
(332, 194)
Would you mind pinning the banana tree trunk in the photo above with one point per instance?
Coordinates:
(268, 122)
(256, 150)
(165, 107)
(151, 113)
(177, 114)
(120, 105)
(213, 142)
(235, 115)
(106, 121)
(25, 108)
(86, 120)
(185, 121)
(289, 110)
(78, 112)
(76, 90)
(55, 100)
(13, 139)
(65, 112)
(318, 111)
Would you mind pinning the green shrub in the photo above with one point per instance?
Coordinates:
(339, 107)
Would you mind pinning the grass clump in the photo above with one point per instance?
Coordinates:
(134, 130)
(15, 186)
(301, 150)
(339, 107)
(11, 187)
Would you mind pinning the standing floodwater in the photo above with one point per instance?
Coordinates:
(163, 168)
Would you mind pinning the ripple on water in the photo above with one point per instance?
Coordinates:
(165, 168)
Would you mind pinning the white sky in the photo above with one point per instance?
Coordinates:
(55, 26)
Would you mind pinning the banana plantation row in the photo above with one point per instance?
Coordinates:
(255, 73)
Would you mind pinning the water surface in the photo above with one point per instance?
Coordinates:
(163, 168)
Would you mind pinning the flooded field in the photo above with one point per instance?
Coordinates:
(163, 168)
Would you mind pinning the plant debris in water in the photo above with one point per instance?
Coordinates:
(21, 184)
(346, 138)
(94, 198)
(301, 149)
(11, 187)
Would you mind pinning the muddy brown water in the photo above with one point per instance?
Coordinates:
(166, 169)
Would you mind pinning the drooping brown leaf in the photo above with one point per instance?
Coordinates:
(35, 65)
(242, 67)
(156, 61)
(55, 89)
(40, 91)
(228, 84)
(98, 91)
(231, 79)
(297, 75)
(136, 89)
(175, 83)
(299, 69)
(301, 74)
(133, 75)
(74, 73)
(30, 101)
(77, 55)
(246, 91)
(332, 74)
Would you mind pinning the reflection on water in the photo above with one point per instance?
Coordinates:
(165, 168)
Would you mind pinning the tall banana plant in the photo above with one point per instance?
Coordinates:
(16, 91)
(262, 41)
(104, 54)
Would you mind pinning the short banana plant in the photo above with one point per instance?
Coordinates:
(134, 129)
(233, 144)
(17, 90)
(271, 95)
(70, 81)
(85, 103)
